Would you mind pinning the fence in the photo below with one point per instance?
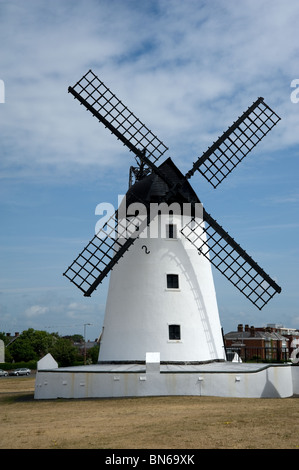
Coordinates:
(266, 354)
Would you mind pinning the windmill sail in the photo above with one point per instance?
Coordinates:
(105, 249)
(103, 104)
(230, 149)
(231, 260)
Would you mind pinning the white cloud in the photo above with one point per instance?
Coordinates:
(82, 311)
(36, 311)
(187, 71)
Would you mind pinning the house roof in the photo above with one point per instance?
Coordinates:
(262, 335)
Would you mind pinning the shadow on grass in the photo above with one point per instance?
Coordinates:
(16, 398)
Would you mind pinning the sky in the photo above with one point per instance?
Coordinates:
(188, 69)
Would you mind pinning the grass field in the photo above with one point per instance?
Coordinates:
(144, 423)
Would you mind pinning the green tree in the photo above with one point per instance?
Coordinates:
(64, 352)
(31, 345)
(93, 354)
(41, 340)
(77, 338)
(22, 350)
(4, 337)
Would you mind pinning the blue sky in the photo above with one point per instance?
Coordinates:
(187, 69)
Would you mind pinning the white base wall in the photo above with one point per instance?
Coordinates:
(218, 379)
(295, 376)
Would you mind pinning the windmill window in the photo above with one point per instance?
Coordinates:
(171, 231)
(172, 281)
(174, 332)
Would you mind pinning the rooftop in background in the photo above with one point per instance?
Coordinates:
(271, 331)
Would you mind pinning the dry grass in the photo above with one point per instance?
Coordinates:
(144, 423)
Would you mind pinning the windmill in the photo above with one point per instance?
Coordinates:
(161, 293)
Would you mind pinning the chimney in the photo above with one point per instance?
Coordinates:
(240, 328)
(17, 333)
(252, 331)
(246, 327)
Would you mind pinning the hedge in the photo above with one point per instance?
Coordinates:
(18, 365)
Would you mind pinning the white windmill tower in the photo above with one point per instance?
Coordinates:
(161, 243)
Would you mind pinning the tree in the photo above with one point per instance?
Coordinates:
(41, 340)
(22, 350)
(64, 352)
(32, 345)
(4, 337)
(75, 338)
(93, 354)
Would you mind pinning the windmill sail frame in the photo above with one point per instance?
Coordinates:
(234, 145)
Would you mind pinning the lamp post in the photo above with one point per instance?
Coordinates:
(85, 325)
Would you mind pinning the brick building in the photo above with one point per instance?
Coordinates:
(259, 343)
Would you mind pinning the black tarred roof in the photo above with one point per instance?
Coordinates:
(153, 189)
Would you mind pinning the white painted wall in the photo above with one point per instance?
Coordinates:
(295, 375)
(2, 351)
(47, 362)
(140, 307)
(267, 382)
